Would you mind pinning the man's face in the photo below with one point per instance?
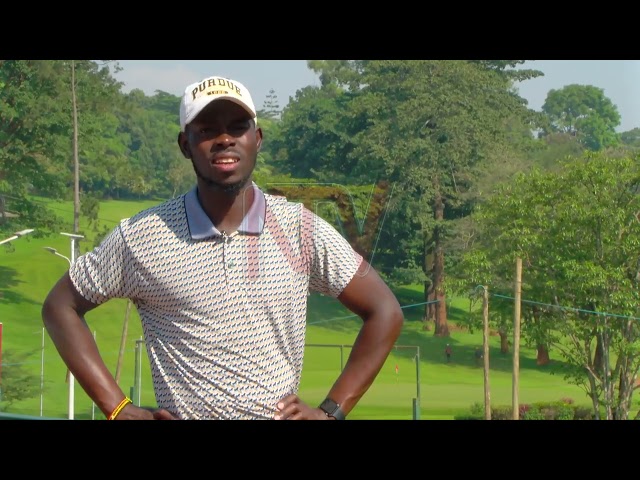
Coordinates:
(222, 143)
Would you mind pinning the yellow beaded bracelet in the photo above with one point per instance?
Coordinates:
(119, 408)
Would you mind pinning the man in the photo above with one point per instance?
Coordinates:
(220, 277)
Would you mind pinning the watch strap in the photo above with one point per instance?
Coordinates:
(332, 409)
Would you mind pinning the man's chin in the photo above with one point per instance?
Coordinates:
(232, 188)
(227, 187)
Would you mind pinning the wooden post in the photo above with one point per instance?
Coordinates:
(0, 357)
(485, 353)
(516, 339)
(123, 341)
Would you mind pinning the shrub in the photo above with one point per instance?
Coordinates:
(501, 412)
(565, 412)
(559, 410)
(477, 409)
(583, 413)
(468, 416)
(534, 413)
(524, 408)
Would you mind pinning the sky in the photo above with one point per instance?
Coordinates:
(619, 79)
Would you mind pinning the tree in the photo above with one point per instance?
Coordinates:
(578, 233)
(31, 159)
(431, 126)
(423, 127)
(631, 138)
(51, 115)
(584, 112)
(16, 383)
(271, 107)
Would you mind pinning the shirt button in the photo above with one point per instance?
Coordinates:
(231, 264)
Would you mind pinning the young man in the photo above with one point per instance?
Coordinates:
(220, 277)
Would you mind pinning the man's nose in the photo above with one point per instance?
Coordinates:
(225, 139)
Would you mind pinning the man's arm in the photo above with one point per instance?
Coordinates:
(368, 296)
(62, 313)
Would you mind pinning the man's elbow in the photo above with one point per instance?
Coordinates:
(392, 313)
(48, 310)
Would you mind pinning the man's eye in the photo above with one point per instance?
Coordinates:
(239, 126)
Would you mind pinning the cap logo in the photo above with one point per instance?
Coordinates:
(212, 87)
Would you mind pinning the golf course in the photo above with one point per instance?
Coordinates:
(416, 382)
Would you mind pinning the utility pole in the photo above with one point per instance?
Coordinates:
(485, 353)
(516, 338)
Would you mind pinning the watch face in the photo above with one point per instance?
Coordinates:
(329, 406)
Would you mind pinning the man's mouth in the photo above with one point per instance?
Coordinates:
(225, 161)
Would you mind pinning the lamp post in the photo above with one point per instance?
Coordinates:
(16, 235)
(74, 238)
(42, 373)
(55, 252)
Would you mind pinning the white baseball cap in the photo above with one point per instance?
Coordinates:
(200, 94)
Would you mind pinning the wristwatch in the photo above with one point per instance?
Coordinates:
(332, 409)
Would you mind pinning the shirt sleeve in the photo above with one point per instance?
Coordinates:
(105, 272)
(333, 262)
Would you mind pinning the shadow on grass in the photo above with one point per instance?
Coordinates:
(8, 287)
(329, 313)
(432, 351)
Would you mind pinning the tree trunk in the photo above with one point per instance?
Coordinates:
(543, 355)
(598, 357)
(441, 326)
(504, 341)
(427, 268)
(76, 162)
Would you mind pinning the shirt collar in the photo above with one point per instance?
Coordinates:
(201, 227)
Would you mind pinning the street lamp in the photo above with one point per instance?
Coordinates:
(74, 238)
(55, 252)
(19, 234)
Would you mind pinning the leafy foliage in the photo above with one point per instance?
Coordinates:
(578, 233)
(16, 383)
(584, 112)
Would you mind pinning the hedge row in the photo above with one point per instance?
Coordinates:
(560, 410)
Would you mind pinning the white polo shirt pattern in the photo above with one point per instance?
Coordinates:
(223, 316)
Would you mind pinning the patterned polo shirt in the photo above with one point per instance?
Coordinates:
(223, 316)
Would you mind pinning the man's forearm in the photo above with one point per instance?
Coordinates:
(370, 351)
(77, 348)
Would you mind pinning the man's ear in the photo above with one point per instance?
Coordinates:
(259, 138)
(183, 144)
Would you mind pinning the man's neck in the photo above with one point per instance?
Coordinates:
(226, 211)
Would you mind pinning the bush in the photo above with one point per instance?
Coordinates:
(565, 412)
(583, 413)
(522, 411)
(534, 413)
(501, 412)
(477, 409)
(560, 410)
(468, 416)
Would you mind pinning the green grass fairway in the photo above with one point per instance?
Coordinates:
(27, 272)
